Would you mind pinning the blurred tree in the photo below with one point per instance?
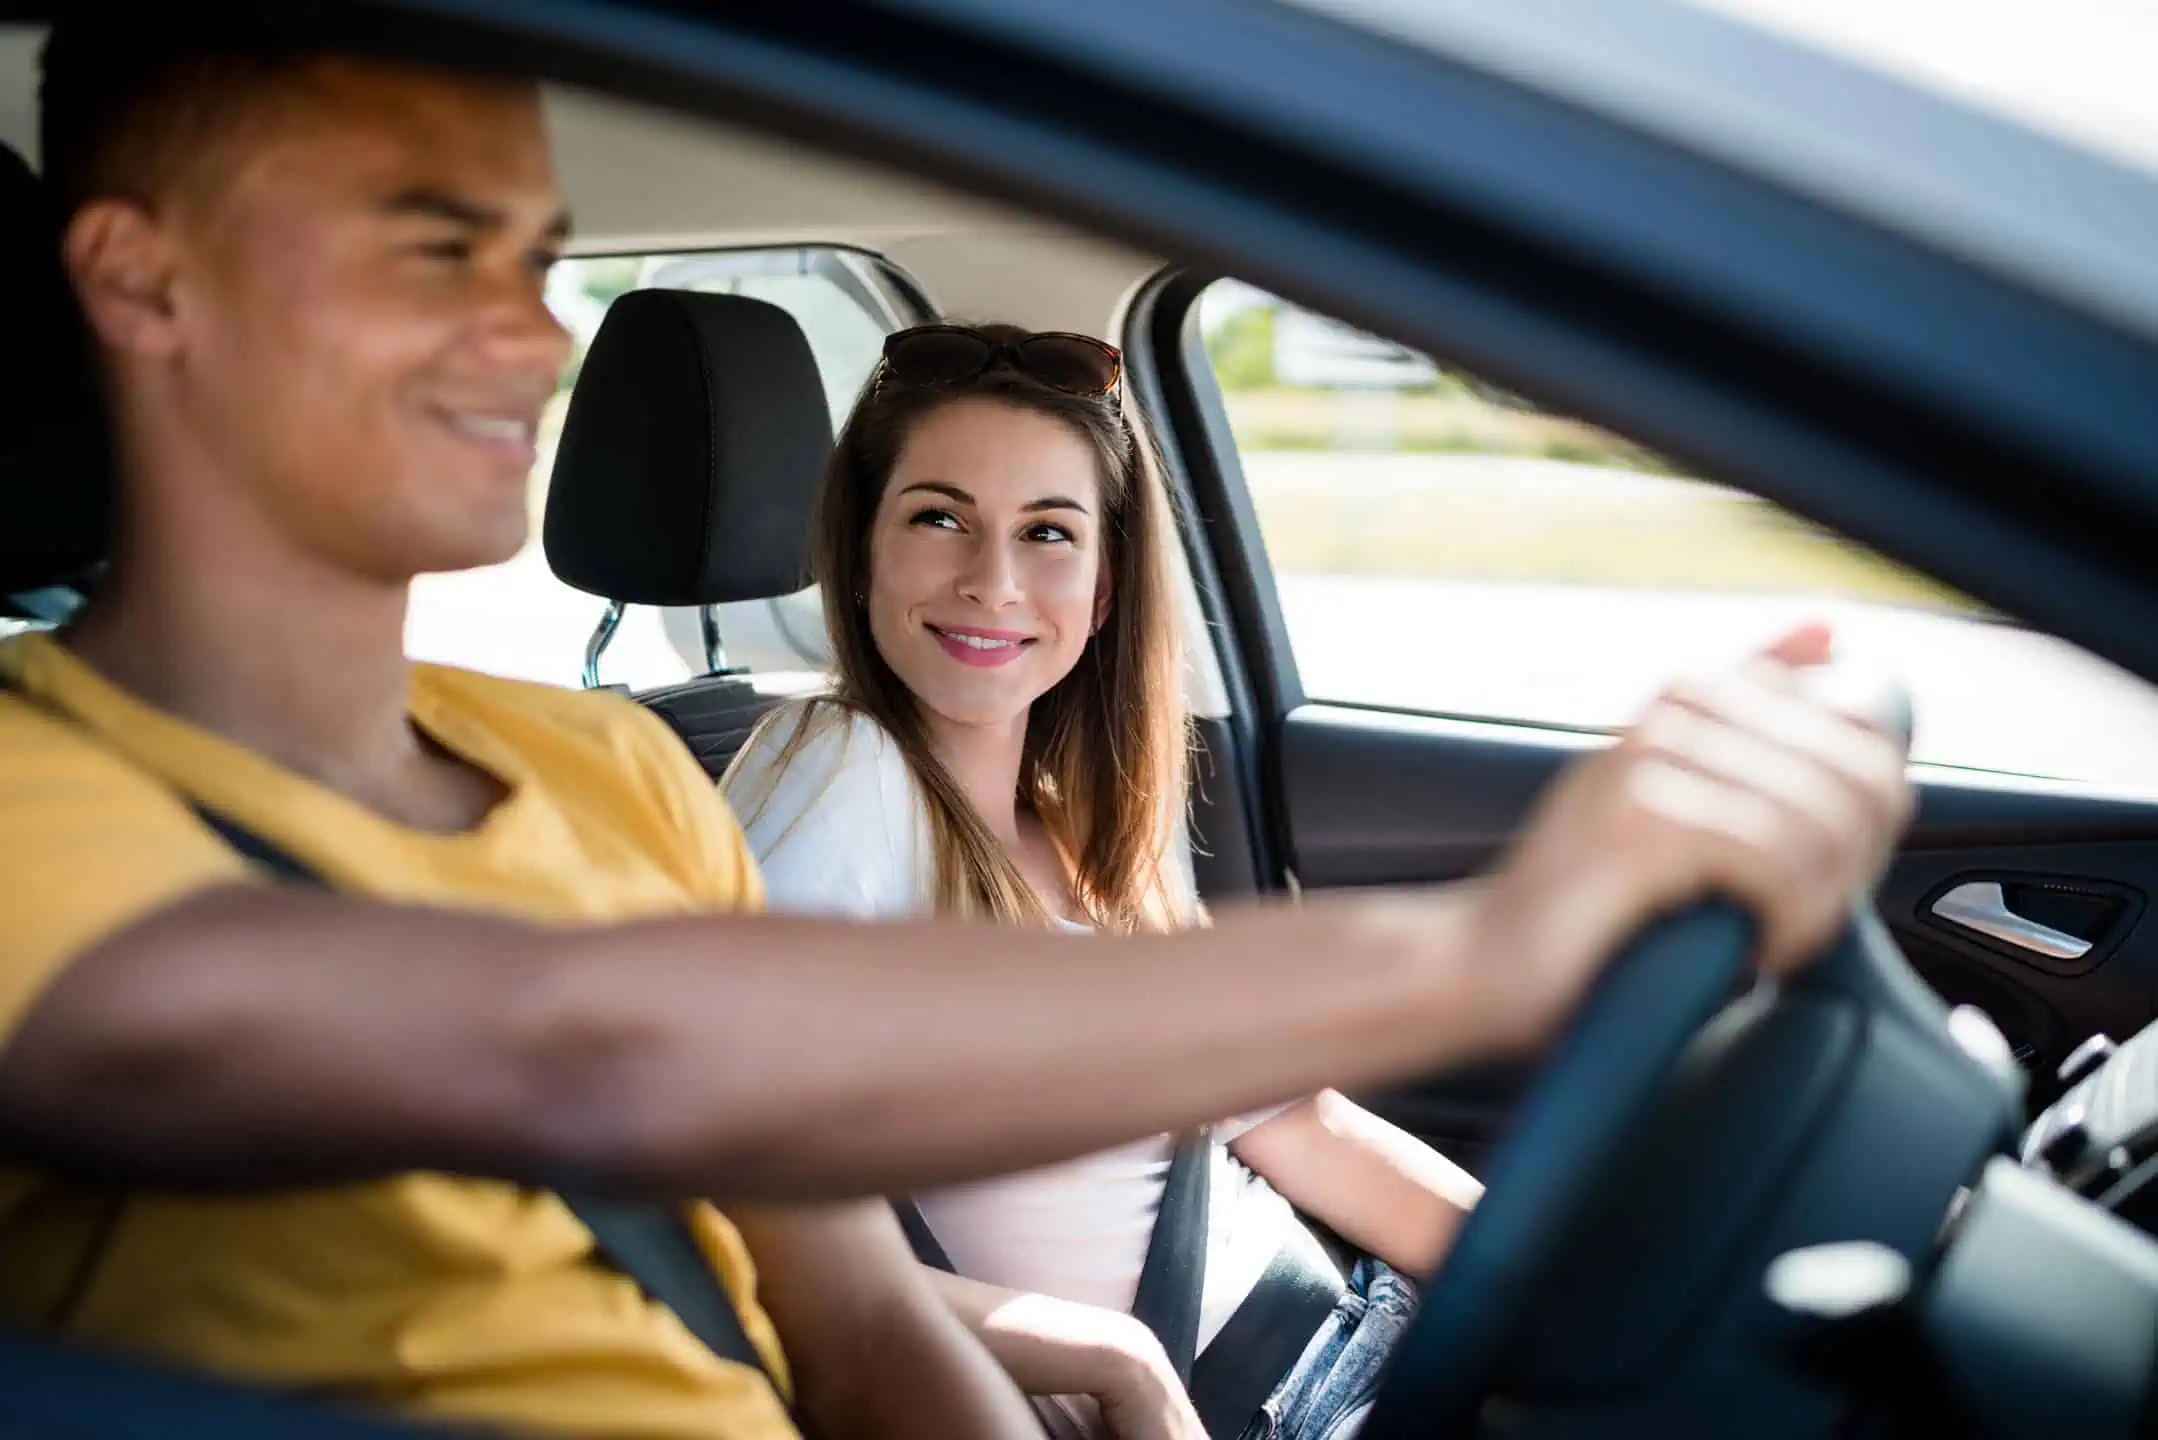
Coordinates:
(605, 277)
(580, 292)
(1243, 350)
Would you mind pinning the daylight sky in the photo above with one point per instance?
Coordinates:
(2086, 70)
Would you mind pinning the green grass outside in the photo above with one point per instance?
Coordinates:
(1743, 545)
(1382, 512)
(1437, 423)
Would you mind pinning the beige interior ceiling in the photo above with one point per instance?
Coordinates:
(641, 179)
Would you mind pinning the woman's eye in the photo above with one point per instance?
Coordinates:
(941, 519)
(1047, 534)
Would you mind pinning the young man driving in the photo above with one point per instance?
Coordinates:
(315, 289)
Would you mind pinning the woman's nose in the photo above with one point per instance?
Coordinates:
(990, 579)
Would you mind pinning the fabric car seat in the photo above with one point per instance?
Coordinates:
(55, 467)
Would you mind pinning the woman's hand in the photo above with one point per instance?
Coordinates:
(1142, 1398)
(1061, 1347)
(1741, 784)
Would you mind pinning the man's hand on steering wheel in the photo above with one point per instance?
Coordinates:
(1750, 784)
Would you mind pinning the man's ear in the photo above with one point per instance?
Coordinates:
(121, 263)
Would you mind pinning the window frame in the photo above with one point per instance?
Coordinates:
(1247, 614)
(873, 280)
(1166, 364)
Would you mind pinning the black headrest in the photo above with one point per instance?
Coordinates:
(690, 459)
(55, 491)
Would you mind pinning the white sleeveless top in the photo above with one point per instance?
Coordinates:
(841, 830)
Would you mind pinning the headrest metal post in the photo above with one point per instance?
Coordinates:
(715, 654)
(609, 622)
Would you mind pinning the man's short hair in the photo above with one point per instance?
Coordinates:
(126, 106)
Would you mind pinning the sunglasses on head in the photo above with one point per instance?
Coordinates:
(933, 355)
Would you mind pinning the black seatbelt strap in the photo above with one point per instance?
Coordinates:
(927, 1248)
(1172, 1279)
(253, 847)
(651, 1244)
(1259, 1345)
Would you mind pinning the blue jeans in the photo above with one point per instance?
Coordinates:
(1329, 1392)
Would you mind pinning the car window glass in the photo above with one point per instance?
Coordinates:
(1440, 546)
(517, 619)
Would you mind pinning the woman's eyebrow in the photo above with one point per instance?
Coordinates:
(938, 487)
(953, 492)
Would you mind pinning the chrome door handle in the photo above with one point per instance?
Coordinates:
(1981, 905)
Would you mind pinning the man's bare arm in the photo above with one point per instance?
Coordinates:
(874, 1350)
(255, 1035)
(263, 1035)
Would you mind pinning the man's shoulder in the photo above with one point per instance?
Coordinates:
(89, 842)
(601, 717)
(52, 754)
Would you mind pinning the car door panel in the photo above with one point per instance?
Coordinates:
(1372, 797)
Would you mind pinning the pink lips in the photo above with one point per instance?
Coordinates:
(965, 654)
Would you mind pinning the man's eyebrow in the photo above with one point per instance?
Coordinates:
(441, 205)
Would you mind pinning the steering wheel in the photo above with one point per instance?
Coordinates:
(1579, 1112)
(1680, 1136)
(1859, 1010)
(1556, 1170)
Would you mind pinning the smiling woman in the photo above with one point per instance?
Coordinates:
(991, 551)
(1002, 573)
(1006, 742)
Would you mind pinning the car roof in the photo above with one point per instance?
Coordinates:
(2022, 179)
(1917, 115)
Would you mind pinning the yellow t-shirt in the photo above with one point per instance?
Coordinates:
(454, 1298)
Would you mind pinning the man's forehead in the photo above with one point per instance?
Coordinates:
(380, 131)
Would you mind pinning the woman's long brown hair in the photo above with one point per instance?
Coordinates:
(1106, 753)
